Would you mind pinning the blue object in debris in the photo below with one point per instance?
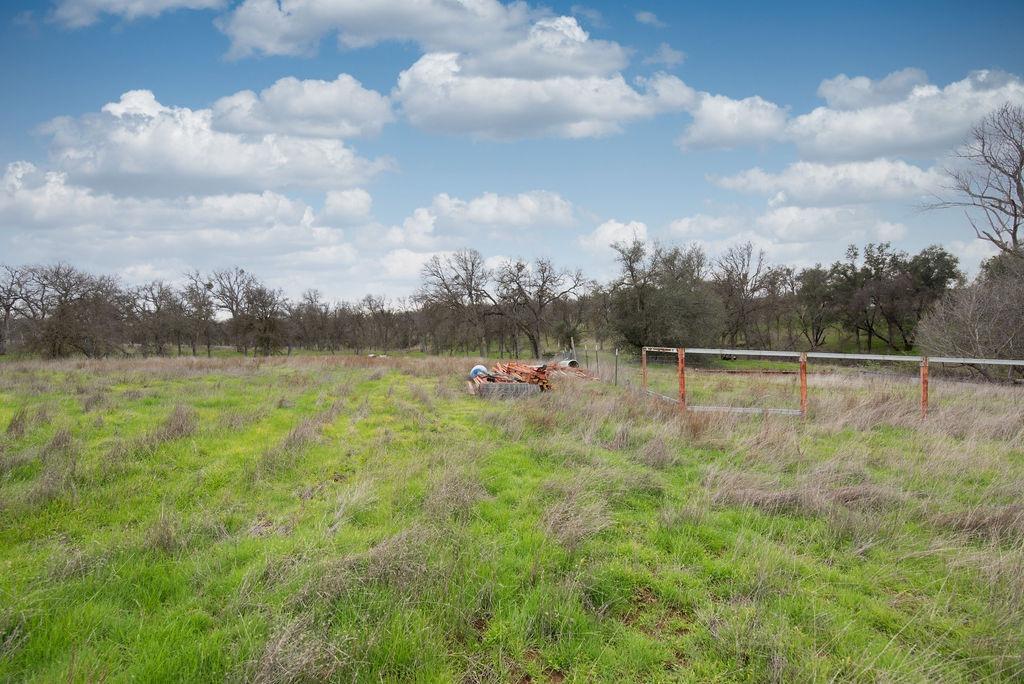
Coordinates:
(478, 370)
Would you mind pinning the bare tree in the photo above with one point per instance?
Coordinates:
(528, 291)
(458, 283)
(197, 298)
(229, 292)
(740, 278)
(984, 320)
(159, 316)
(382, 319)
(264, 309)
(10, 293)
(990, 185)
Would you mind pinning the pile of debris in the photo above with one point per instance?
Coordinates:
(515, 371)
(516, 379)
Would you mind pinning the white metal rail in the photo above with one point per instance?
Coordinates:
(841, 356)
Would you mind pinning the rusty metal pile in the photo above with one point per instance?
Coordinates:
(517, 372)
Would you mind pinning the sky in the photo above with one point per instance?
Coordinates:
(339, 144)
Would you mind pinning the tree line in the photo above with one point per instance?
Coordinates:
(874, 299)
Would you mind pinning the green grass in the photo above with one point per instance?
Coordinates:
(350, 519)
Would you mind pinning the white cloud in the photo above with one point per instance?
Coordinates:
(80, 13)
(491, 209)
(816, 224)
(451, 218)
(897, 115)
(436, 95)
(493, 263)
(815, 183)
(142, 237)
(703, 226)
(296, 27)
(341, 108)
(666, 55)
(405, 264)
(649, 18)
(553, 47)
(972, 253)
(887, 231)
(137, 144)
(611, 232)
(417, 229)
(347, 205)
(794, 236)
(928, 120)
(720, 121)
(843, 92)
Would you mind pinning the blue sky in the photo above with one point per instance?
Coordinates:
(148, 137)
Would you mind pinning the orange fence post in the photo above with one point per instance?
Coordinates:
(681, 358)
(643, 369)
(924, 386)
(803, 384)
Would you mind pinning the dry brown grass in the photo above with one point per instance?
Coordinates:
(17, 425)
(453, 494)
(575, 519)
(817, 493)
(399, 561)
(693, 512)
(240, 419)
(992, 523)
(183, 421)
(69, 561)
(165, 534)
(960, 410)
(13, 632)
(657, 453)
(354, 500)
(93, 401)
(297, 652)
(297, 440)
(420, 395)
(11, 459)
(60, 469)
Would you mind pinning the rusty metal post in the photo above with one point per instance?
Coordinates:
(643, 370)
(924, 386)
(803, 384)
(681, 359)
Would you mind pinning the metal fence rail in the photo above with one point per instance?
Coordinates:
(803, 358)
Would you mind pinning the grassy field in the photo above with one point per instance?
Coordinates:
(364, 520)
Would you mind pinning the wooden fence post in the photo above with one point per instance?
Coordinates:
(924, 386)
(616, 365)
(643, 370)
(803, 384)
(681, 361)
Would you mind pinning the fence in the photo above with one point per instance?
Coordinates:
(803, 358)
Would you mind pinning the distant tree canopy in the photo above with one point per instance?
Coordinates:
(874, 298)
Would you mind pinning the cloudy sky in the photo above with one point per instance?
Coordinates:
(340, 143)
